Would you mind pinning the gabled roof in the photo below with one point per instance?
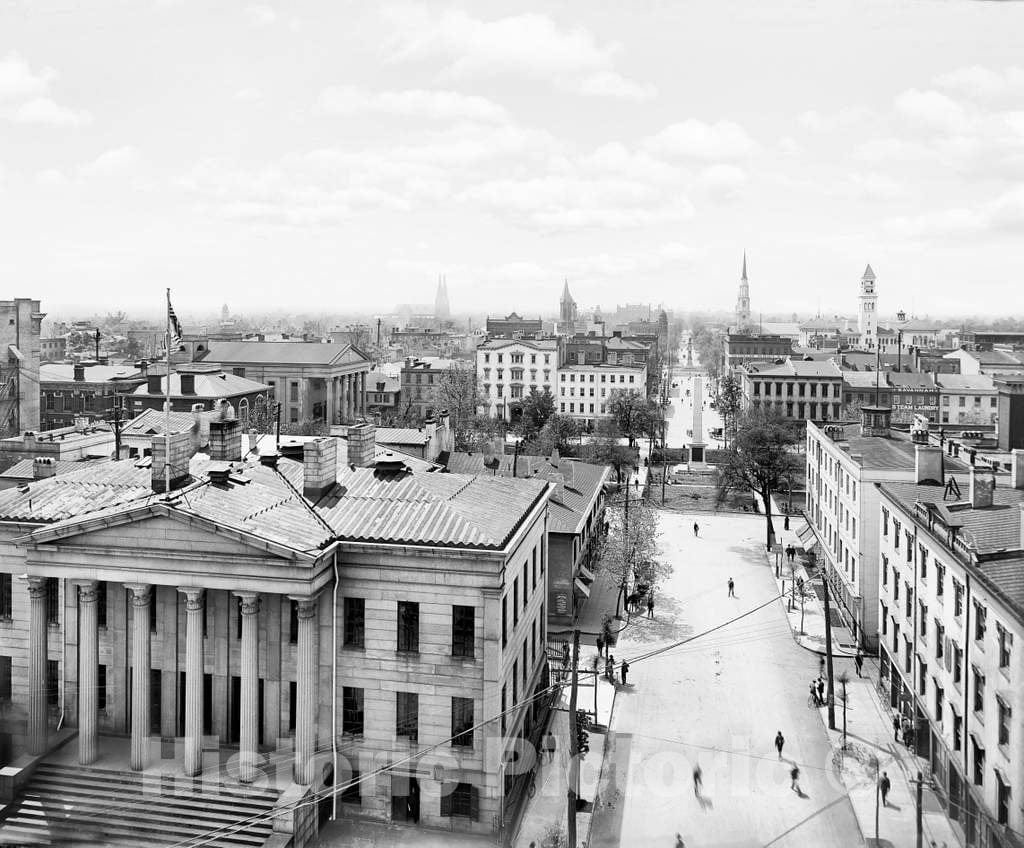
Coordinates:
(55, 372)
(150, 422)
(209, 386)
(401, 436)
(24, 469)
(289, 353)
(965, 382)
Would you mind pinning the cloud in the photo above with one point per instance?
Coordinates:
(628, 263)
(416, 103)
(261, 15)
(44, 111)
(118, 162)
(693, 139)
(18, 80)
(1001, 215)
(933, 111)
(529, 45)
(984, 83)
(722, 182)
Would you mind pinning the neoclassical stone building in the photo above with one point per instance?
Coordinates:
(308, 623)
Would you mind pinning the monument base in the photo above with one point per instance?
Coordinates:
(698, 456)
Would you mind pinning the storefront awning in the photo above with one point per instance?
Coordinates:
(581, 587)
(586, 574)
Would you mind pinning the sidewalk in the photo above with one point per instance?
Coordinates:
(549, 804)
(869, 735)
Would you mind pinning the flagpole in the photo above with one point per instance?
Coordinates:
(167, 406)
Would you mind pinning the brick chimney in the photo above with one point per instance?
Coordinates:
(1017, 468)
(79, 373)
(319, 467)
(43, 467)
(982, 486)
(928, 464)
(181, 452)
(226, 440)
(362, 445)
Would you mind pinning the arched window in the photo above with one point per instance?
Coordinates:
(243, 411)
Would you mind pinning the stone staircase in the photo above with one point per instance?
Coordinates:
(79, 805)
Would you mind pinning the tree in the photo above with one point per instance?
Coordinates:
(560, 432)
(761, 458)
(730, 400)
(606, 448)
(631, 550)
(457, 392)
(481, 433)
(537, 408)
(630, 412)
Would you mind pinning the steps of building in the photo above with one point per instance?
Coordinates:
(91, 806)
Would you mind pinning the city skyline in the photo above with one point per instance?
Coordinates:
(337, 152)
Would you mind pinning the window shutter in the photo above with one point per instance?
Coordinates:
(474, 803)
(446, 800)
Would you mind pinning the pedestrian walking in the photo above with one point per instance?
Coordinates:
(821, 667)
(821, 690)
(732, 586)
(650, 606)
(679, 842)
(600, 645)
(858, 661)
(698, 780)
(622, 670)
(696, 529)
(794, 779)
(780, 740)
(884, 786)
(814, 693)
(896, 728)
(609, 668)
(550, 744)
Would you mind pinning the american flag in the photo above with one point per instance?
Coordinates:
(175, 324)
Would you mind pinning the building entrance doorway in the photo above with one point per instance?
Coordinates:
(405, 798)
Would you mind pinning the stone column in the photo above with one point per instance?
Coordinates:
(362, 393)
(37, 655)
(248, 749)
(194, 601)
(331, 402)
(88, 672)
(352, 396)
(142, 599)
(305, 720)
(341, 400)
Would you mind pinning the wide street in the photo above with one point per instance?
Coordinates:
(718, 702)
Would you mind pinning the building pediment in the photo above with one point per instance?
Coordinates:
(154, 543)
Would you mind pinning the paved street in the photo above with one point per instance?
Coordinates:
(718, 703)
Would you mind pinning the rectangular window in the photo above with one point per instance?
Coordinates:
(958, 658)
(408, 627)
(462, 722)
(979, 762)
(1005, 646)
(1002, 801)
(355, 622)
(923, 558)
(940, 638)
(52, 682)
(462, 800)
(463, 631)
(940, 699)
(533, 569)
(352, 711)
(52, 600)
(1005, 714)
(238, 618)
(940, 579)
(979, 622)
(958, 598)
(101, 687)
(504, 701)
(101, 604)
(6, 595)
(504, 622)
(293, 622)
(979, 690)
(407, 720)
(5, 680)
(515, 603)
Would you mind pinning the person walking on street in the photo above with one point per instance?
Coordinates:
(814, 693)
(780, 740)
(600, 645)
(821, 690)
(794, 779)
(549, 746)
(884, 786)
(622, 670)
(859, 662)
(821, 667)
(698, 780)
(650, 606)
(679, 842)
(896, 728)
(609, 668)
(732, 585)
(696, 529)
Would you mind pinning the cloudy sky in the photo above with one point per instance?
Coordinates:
(342, 155)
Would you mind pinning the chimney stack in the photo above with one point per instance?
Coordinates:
(43, 467)
(362, 445)
(226, 440)
(982, 486)
(319, 467)
(1017, 468)
(181, 453)
(928, 464)
(79, 373)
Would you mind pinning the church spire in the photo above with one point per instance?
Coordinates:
(565, 291)
(744, 275)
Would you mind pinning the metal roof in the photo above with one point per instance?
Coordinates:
(215, 385)
(279, 353)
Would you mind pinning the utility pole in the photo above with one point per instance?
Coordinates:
(828, 658)
(920, 810)
(574, 754)
(97, 337)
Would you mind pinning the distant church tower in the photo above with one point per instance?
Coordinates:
(567, 311)
(442, 309)
(743, 300)
(867, 322)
